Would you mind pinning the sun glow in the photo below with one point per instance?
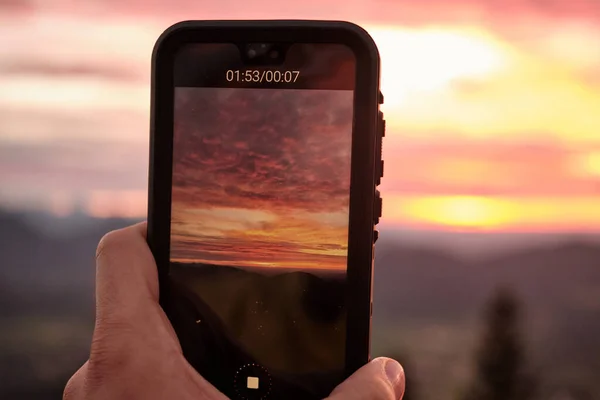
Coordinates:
(425, 60)
(494, 213)
(588, 165)
(463, 211)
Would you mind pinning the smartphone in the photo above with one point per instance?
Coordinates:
(263, 202)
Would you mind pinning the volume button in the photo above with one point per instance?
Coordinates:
(378, 206)
(379, 150)
(381, 133)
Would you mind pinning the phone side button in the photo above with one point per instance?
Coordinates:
(379, 148)
(378, 206)
(371, 309)
(380, 97)
(380, 135)
(375, 235)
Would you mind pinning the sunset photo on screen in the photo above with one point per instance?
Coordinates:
(259, 229)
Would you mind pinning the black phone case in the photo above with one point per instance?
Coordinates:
(367, 163)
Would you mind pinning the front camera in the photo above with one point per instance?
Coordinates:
(259, 53)
(254, 50)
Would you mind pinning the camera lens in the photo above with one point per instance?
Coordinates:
(259, 53)
(257, 49)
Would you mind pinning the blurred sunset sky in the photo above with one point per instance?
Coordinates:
(492, 107)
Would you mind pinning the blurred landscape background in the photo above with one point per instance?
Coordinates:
(487, 282)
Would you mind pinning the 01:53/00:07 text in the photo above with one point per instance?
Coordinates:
(255, 75)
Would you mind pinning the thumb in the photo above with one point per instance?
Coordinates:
(381, 379)
(126, 276)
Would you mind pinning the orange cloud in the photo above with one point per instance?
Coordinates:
(475, 82)
(261, 177)
(479, 104)
(491, 168)
(254, 238)
(423, 12)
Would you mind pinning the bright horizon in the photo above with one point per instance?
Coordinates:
(493, 121)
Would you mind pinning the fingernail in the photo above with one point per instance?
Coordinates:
(394, 372)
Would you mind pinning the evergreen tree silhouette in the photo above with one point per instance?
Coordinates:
(500, 362)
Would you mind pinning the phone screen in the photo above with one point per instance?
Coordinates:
(260, 215)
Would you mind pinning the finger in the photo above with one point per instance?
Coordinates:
(381, 379)
(74, 388)
(126, 275)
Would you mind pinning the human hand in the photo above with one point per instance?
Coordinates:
(135, 353)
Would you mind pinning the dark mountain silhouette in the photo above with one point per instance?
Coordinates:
(322, 293)
(425, 290)
(46, 305)
(46, 300)
(37, 261)
(211, 348)
(301, 311)
(545, 277)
